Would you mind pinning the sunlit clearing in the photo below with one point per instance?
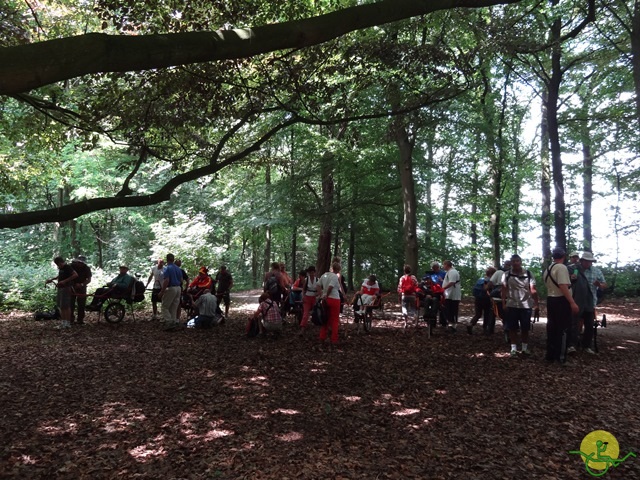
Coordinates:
(27, 460)
(120, 421)
(476, 355)
(286, 411)
(632, 341)
(352, 399)
(502, 355)
(251, 306)
(290, 437)
(405, 411)
(620, 347)
(61, 428)
(216, 433)
(143, 453)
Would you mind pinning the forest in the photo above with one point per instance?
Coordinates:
(385, 132)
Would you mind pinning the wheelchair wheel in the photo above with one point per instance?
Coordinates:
(367, 320)
(114, 312)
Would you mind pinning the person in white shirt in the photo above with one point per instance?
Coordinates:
(452, 293)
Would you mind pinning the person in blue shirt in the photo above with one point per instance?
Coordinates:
(170, 293)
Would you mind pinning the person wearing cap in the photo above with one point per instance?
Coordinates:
(65, 278)
(595, 281)
(560, 306)
(201, 283)
(79, 300)
(119, 286)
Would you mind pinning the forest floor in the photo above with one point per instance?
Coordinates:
(105, 401)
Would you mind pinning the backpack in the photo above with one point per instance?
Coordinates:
(138, 291)
(272, 286)
(408, 285)
(479, 288)
(318, 316)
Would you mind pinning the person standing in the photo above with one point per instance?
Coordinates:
(183, 286)
(329, 288)
(452, 293)
(560, 306)
(170, 293)
(494, 287)
(595, 281)
(156, 276)
(482, 303)
(519, 294)
(407, 286)
(66, 276)
(79, 264)
(224, 282)
(310, 295)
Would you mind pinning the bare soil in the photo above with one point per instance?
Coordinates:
(133, 401)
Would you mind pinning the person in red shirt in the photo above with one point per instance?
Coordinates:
(201, 283)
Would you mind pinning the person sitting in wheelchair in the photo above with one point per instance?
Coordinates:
(368, 294)
(295, 295)
(198, 286)
(120, 287)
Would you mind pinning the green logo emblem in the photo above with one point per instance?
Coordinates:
(600, 451)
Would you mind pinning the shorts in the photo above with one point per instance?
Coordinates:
(408, 305)
(64, 298)
(518, 318)
(154, 295)
(226, 299)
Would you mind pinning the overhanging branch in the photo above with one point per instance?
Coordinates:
(25, 67)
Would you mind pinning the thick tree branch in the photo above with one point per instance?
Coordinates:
(26, 67)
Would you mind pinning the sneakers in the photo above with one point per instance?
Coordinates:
(589, 351)
(571, 349)
(513, 353)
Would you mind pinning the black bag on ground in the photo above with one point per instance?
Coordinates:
(318, 316)
(252, 327)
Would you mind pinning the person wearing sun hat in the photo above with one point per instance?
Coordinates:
(596, 282)
(201, 283)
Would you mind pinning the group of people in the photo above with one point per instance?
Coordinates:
(171, 289)
(572, 296)
(204, 294)
(308, 289)
(508, 292)
(439, 292)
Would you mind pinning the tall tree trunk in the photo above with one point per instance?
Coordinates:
(545, 184)
(474, 215)
(587, 188)
(323, 261)
(446, 194)
(294, 250)
(635, 54)
(428, 221)
(409, 222)
(256, 278)
(267, 232)
(559, 218)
